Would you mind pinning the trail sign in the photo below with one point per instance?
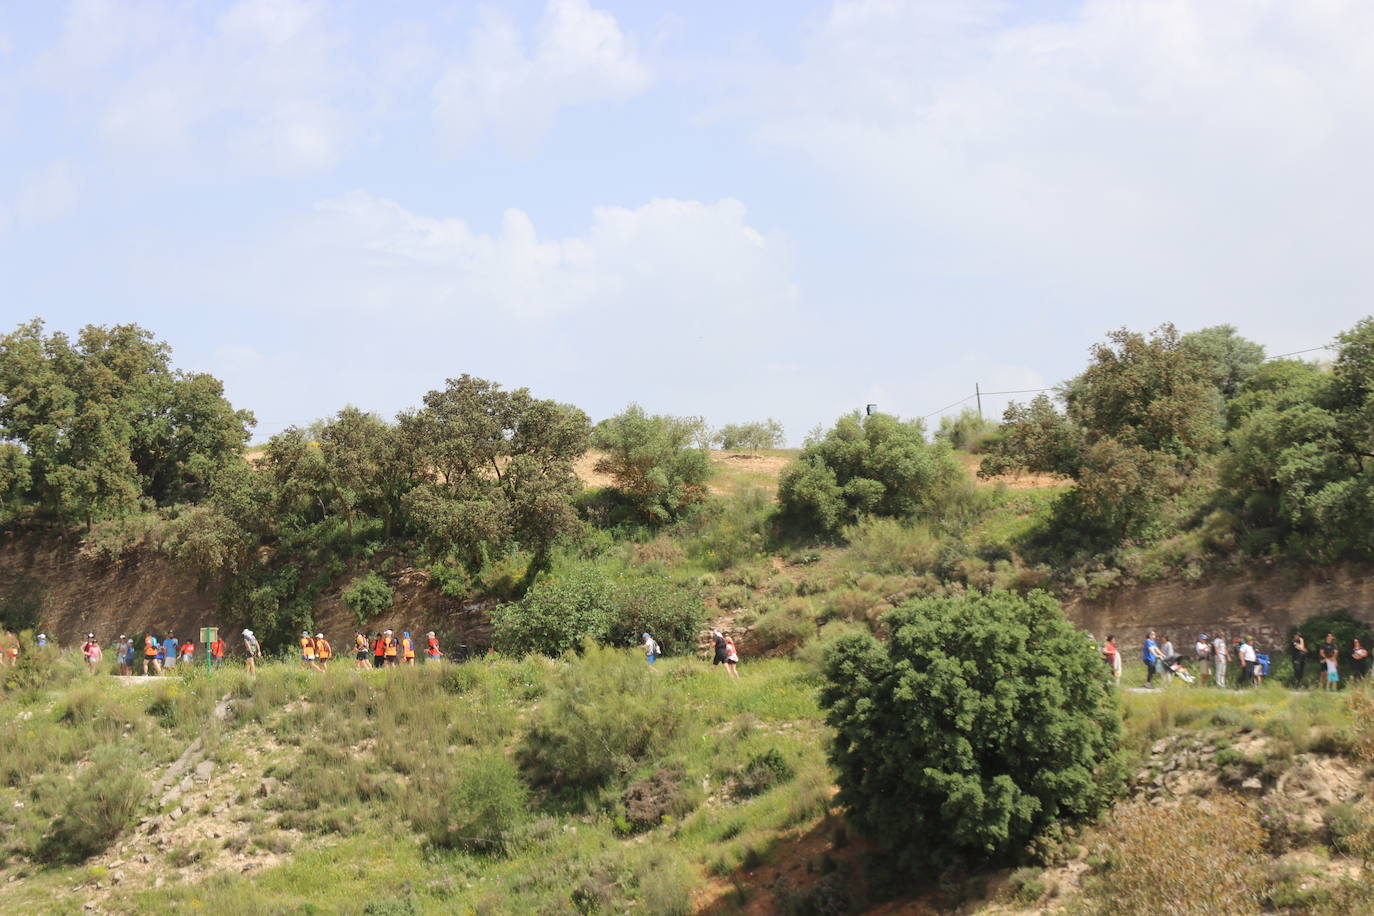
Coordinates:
(207, 636)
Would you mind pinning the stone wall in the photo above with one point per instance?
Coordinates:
(1264, 603)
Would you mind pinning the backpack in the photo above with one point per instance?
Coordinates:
(654, 647)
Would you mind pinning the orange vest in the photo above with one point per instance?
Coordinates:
(390, 646)
(407, 647)
(149, 646)
(217, 648)
(307, 647)
(188, 649)
(360, 642)
(379, 647)
(323, 649)
(433, 644)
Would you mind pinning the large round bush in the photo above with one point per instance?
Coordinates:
(978, 725)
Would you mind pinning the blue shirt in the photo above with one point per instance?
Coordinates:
(169, 646)
(1148, 655)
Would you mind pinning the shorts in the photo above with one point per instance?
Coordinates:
(307, 658)
(651, 657)
(377, 661)
(361, 656)
(1333, 676)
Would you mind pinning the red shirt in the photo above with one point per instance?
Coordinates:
(217, 648)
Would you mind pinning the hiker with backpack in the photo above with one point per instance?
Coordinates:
(651, 649)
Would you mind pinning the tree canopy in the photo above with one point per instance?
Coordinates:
(980, 724)
(102, 424)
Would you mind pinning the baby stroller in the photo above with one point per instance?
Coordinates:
(1174, 663)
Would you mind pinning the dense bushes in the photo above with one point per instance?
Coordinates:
(367, 596)
(982, 722)
(873, 465)
(473, 804)
(93, 810)
(598, 721)
(654, 461)
(559, 614)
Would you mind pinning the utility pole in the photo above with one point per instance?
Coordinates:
(978, 393)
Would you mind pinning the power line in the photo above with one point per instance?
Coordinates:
(965, 398)
(1020, 391)
(1296, 352)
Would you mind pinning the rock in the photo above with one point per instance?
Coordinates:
(171, 799)
(117, 877)
(158, 881)
(173, 815)
(143, 858)
(186, 783)
(268, 786)
(88, 905)
(1252, 785)
(204, 770)
(1160, 746)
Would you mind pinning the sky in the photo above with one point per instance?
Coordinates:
(736, 210)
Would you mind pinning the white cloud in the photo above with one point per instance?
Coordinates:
(578, 55)
(1170, 156)
(265, 89)
(46, 196)
(363, 254)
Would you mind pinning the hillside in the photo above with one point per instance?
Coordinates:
(465, 788)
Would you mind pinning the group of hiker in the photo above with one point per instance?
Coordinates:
(1213, 654)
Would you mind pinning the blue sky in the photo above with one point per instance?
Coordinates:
(738, 210)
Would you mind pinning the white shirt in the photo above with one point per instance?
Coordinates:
(1247, 652)
(1219, 648)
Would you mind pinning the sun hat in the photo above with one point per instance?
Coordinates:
(90, 636)
(646, 636)
(247, 632)
(319, 636)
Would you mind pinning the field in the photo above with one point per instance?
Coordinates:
(590, 784)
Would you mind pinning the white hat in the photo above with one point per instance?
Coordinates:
(247, 632)
(90, 636)
(386, 631)
(430, 633)
(319, 636)
(42, 635)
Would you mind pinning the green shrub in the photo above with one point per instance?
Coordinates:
(779, 631)
(605, 712)
(1027, 886)
(368, 596)
(763, 772)
(873, 465)
(888, 545)
(557, 615)
(473, 804)
(982, 722)
(93, 810)
(732, 597)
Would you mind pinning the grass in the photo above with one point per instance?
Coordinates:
(355, 754)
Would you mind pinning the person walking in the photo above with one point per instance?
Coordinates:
(91, 651)
(651, 649)
(252, 651)
(1167, 650)
(1330, 655)
(307, 645)
(718, 645)
(407, 649)
(360, 650)
(1203, 650)
(378, 650)
(217, 652)
(323, 651)
(1221, 653)
(169, 652)
(1112, 656)
(392, 646)
(731, 658)
(124, 655)
(1150, 655)
(432, 653)
(40, 640)
(151, 653)
(1297, 654)
(188, 654)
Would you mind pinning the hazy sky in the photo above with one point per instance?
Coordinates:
(736, 209)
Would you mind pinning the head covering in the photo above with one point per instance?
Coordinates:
(430, 633)
(90, 636)
(1202, 636)
(384, 632)
(406, 634)
(646, 636)
(305, 632)
(319, 636)
(122, 636)
(247, 632)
